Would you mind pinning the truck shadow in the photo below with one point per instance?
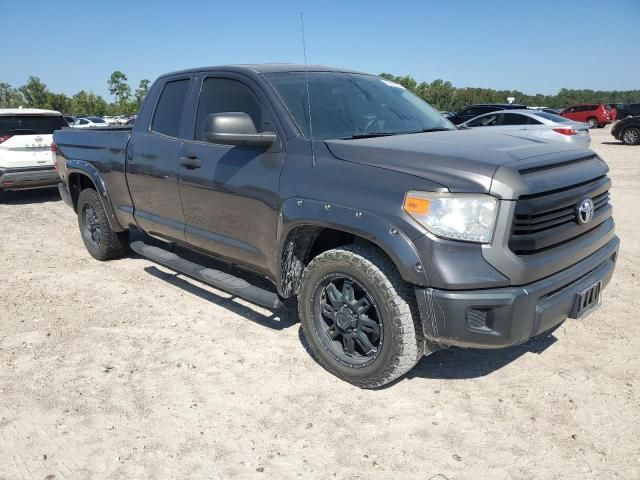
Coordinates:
(460, 364)
(278, 319)
(24, 197)
(451, 363)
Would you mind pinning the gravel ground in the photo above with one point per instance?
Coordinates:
(124, 370)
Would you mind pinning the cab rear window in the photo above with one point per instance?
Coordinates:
(30, 124)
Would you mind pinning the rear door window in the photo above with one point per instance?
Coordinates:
(30, 124)
(167, 119)
(514, 119)
(485, 121)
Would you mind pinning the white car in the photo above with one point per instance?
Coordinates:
(26, 147)
(87, 122)
(110, 120)
(534, 124)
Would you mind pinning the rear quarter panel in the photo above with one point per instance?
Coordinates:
(103, 152)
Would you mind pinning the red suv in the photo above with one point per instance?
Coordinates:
(593, 114)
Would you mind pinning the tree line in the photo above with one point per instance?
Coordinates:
(36, 94)
(439, 93)
(444, 96)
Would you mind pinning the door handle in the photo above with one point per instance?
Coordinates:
(190, 162)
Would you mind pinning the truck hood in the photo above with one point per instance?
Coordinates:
(459, 160)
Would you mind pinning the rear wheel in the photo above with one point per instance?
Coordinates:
(100, 240)
(631, 136)
(359, 316)
(592, 122)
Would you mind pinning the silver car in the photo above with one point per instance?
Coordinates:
(534, 124)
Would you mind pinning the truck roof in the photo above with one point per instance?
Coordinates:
(27, 111)
(264, 68)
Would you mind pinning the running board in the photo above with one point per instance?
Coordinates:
(220, 280)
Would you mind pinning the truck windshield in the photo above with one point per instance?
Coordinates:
(349, 105)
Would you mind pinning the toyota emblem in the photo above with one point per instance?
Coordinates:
(585, 211)
(38, 139)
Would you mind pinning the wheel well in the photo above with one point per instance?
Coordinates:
(303, 244)
(78, 182)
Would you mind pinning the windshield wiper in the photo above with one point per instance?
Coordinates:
(371, 135)
(436, 129)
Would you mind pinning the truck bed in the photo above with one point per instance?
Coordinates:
(99, 146)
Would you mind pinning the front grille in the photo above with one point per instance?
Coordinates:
(546, 220)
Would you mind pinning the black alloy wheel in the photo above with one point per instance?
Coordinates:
(91, 225)
(347, 321)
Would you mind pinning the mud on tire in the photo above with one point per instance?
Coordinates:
(399, 344)
(98, 237)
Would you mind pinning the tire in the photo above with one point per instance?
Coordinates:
(602, 125)
(592, 122)
(400, 343)
(98, 237)
(630, 136)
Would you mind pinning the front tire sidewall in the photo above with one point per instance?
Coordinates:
(312, 284)
(399, 340)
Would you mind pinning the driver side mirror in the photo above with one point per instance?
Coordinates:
(235, 128)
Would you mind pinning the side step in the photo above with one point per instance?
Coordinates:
(223, 281)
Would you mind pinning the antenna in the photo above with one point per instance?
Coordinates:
(306, 78)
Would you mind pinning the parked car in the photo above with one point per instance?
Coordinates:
(110, 120)
(398, 233)
(88, 122)
(627, 130)
(593, 114)
(553, 111)
(628, 110)
(26, 157)
(472, 111)
(535, 124)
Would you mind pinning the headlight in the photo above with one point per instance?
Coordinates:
(458, 216)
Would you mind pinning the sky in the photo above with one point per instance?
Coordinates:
(533, 46)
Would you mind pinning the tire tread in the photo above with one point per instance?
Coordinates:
(380, 270)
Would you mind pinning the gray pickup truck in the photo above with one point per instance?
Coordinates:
(398, 233)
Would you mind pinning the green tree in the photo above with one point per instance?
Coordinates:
(59, 102)
(88, 103)
(140, 93)
(9, 96)
(34, 93)
(119, 88)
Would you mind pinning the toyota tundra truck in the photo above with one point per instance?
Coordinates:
(398, 233)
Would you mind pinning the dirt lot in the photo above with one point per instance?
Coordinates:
(124, 370)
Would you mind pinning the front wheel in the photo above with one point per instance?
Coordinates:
(100, 240)
(359, 316)
(631, 136)
(592, 122)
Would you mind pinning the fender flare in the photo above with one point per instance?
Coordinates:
(298, 212)
(85, 168)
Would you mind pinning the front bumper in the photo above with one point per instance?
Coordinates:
(27, 177)
(503, 317)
